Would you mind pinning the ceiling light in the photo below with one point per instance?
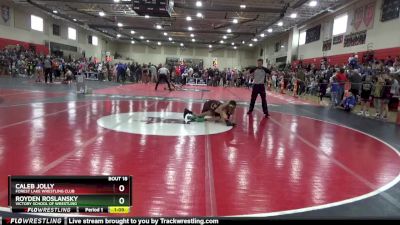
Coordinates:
(182, 44)
(116, 1)
(159, 43)
(158, 26)
(165, 34)
(190, 28)
(282, 46)
(293, 15)
(193, 40)
(120, 24)
(235, 21)
(141, 37)
(262, 35)
(210, 46)
(188, 18)
(234, 47)
(199, 4)
(102, 13)
(173, 42)
(118, 35)
(255, 39)
(170, 38)
(132, 32)
(55, 11)
(313, 3)
(147, 41)
(132, 42)
(270, 30)
(233, 43)
(191, 35)
(251, 45)
(243, 42)
(74, 20)
(280, 23)
(199, 15)
(229, 30)
(224, 37)
(221, 41)
(146, 16)
(242, 6)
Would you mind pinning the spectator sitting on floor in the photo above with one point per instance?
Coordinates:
(68, 77)
(349, 102)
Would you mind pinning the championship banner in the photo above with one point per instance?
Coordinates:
(5, 15)
(363, 18)
(327, 45)
(358, 18)
(369, 15)
(337, 39)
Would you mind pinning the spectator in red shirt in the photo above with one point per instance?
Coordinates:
(341, 79)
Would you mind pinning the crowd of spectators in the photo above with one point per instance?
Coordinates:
(371, 82)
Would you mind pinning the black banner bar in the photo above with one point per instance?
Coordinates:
(44, 209)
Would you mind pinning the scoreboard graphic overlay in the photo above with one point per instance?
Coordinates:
(69, 194)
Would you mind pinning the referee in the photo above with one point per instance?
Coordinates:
(163, 73)
(260, 77)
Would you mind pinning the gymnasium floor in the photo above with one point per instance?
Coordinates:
(306, 161)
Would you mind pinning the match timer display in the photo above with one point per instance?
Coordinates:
(69, 194)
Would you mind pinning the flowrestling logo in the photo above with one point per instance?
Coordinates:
(159, 123)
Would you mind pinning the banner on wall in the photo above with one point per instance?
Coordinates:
(337, 39)
(327, 45)
(355, 39)
(363, 18)
(215, 62)
(358, 17)
(390, 10)
(313, 34)
(5, 15)
(369, 15)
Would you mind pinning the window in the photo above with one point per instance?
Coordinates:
(56, 30)
(95, 41)
(302, 39)
(340, 25)
(71, 33)
(90, 39)
(36, 23)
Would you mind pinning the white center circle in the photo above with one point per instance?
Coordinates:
(159, 123)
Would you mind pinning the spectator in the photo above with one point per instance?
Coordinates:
(386, 96)
(341, 79)
(355, 79)
(377, 94)
(366, 90)
(334, 91)
(47, 70)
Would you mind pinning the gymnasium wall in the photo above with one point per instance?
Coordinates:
(269, 52)
(383, 37)
(17, 30)
(227, 58)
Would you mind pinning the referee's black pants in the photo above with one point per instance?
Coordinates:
(165, 78)
(259, 89)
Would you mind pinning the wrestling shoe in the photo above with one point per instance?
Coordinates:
(187, 111)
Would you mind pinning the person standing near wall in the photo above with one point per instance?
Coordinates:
(260, 77)
(163, 74)
(153, 73)
(47, 70)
